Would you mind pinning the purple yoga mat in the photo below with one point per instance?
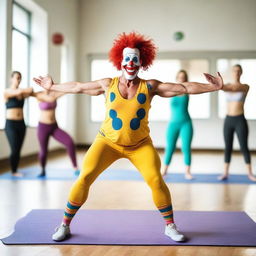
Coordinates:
(124, 227)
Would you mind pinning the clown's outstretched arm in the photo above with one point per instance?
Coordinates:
(93, 88)
(174, 89)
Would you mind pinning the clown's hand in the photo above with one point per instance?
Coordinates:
(217, 81)
(46, 82)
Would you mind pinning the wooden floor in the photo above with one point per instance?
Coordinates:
(19, 197)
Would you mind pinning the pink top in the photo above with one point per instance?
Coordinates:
(47, 105)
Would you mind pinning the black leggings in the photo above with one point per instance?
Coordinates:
(238, 125)
(15, 131)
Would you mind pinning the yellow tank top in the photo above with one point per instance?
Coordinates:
(126, 121)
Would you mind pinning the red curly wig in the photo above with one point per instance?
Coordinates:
(133, 40)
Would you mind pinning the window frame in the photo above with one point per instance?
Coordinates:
(29, 38)
(38, 17)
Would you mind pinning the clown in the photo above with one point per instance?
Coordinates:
(125, 133)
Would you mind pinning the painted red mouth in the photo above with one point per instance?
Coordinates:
(131, 70)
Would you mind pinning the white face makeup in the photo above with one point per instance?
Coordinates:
(131, 62)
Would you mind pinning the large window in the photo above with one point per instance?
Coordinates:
(21, 42)
(163, 70)
(28, 46)
(248, 77)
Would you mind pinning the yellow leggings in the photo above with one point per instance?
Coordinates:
(103, 153)
(100, 155)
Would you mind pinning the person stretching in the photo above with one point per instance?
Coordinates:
(235, 122)
(48, 127)
(15, 127)
(180, 124)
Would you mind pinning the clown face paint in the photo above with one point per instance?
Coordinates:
(131, 62)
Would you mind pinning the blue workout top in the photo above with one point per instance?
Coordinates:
(179, 108)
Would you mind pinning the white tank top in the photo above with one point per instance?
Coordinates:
(235, 96)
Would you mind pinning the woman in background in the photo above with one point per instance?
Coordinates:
(48, 127)
(15, 127)
(180, 124)
(235, 121)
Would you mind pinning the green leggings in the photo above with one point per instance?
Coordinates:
(185, 130)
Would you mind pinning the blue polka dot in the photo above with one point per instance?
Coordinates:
(112, 113)
(135, 122)
(141, 113)
(141, 98)
(116, 122)
(112, 96)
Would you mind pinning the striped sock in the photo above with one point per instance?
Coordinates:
(70, 212)
(167, 213)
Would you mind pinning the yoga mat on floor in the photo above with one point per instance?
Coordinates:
(124, 227)
(31, 173)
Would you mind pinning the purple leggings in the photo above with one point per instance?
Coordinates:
(44, 131)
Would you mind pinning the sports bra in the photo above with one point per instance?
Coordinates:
(47, 105)
(14, 103)
(235, 96)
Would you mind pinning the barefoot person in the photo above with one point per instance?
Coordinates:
(235, 121)
(48, 127)
(15, 127)
(124, 132)
(180, 125)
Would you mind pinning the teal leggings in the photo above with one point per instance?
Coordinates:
(185, 130)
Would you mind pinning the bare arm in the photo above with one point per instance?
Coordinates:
(93, 88)
(47, 97)
(236, 87)
(42, 96)
(27, 92)
(10, 93)
(174, 89)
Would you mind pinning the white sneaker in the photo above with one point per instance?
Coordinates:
(173, 233)
(61, 233)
